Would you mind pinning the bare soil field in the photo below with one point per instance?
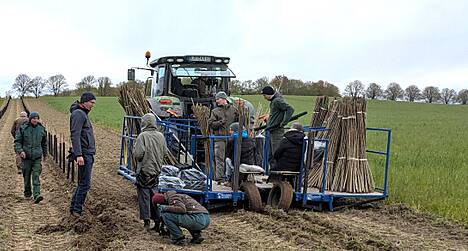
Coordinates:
(111, 222)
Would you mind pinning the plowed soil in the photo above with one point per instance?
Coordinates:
(111, 215)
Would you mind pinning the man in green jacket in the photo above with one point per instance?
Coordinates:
(221, 117)
(280, 114)
(150, 150)
(31, 145)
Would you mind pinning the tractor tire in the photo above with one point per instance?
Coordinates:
(281, 195)
(253, 200)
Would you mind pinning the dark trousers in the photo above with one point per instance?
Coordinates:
(32, 169)
(84, 183)
(275, 138)
(194, 223)
(147, 209)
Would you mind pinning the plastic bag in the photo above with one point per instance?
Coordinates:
(170, 182)
(193, 178)
(168, 170)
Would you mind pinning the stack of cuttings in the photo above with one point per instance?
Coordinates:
(352, 173)
(332, 121)
(347, 166)
(202, 114)
(133, 100)
(260, 115)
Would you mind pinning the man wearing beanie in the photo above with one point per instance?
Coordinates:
(23, 118)
(82, 138)
(31, 145)
(220, 119)
(280, 113)
(150, 151)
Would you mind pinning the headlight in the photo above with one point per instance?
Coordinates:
(180, 60)
(218, 60)
(170, 60)
(226, 61)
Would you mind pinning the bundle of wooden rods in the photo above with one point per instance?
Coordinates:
(202, 114)
(244, 115)
(260, 114)
(347, 166)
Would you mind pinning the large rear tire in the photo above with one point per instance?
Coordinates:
(253, 200)
(281, 195)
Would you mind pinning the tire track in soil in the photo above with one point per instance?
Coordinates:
(112, 207)
(22, 218)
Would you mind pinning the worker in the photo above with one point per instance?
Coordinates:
(181, 210)
(150, 151)
(84, 148)
(280, 113)
(288, 155)
(220, 119)
(201, 83)
(247, 149)
(31, 145)
(23, 118)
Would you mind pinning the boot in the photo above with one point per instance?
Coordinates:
(196, 237)
(147, 224)
(38, 199)
(179, 242)
(156, 226)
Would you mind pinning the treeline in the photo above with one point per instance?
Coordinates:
(57, 85)
(286, 86)
(412, 93)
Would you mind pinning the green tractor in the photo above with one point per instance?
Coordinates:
(178, 82)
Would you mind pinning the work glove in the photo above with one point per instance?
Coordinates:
(161, 208)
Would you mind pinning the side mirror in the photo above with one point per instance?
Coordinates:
(148, 84)
(131, 74)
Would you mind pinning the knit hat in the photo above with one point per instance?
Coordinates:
(158, 198)
(234, 126)
(222, 95)
(148, 120)
(297, 126)
(87, 96)
(23, 114)
(33, 115)
(268, 90)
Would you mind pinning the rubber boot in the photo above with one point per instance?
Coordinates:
(147, 224)
(196, 237)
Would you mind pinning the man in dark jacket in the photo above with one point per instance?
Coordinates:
(23, 118)
(150, 150)
(84, 148)
(280, 113)
(219, 121)
(288, 155)
(181, 210)
(31, 145)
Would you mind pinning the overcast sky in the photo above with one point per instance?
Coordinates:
(409, 42)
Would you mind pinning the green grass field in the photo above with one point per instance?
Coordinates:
(429, 161)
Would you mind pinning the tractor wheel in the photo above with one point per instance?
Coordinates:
(253, 200)
(281, 195)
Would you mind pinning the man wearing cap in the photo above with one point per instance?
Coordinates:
(280, 113)
(150, 150)
(31, 145)
(219, 121)
(83, 144)
(181, 210)
(23, 118)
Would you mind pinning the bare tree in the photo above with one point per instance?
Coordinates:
(37, 86)
(279, 83)
(104, 84)
(462, 96)
(86, 83)
(22, 84)
(260, 83)
(412, 93)
(56, 84)
(374, 91)
(354, 89)
(393, 91)
(448, 95)
(431, 94)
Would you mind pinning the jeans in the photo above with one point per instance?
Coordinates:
(147, 209)
(275, 138)
(219, 156)
(32, 169)
(84, 183)
(192, 222)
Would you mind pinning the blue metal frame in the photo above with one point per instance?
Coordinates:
(208, 194)
(324, 196)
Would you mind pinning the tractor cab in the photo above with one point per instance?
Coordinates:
(178, 82)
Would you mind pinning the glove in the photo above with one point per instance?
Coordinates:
(161, 208)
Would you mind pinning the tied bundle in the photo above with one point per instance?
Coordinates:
(202, 114)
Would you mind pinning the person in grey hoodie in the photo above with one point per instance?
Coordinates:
(84, 148)
(150, 151)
